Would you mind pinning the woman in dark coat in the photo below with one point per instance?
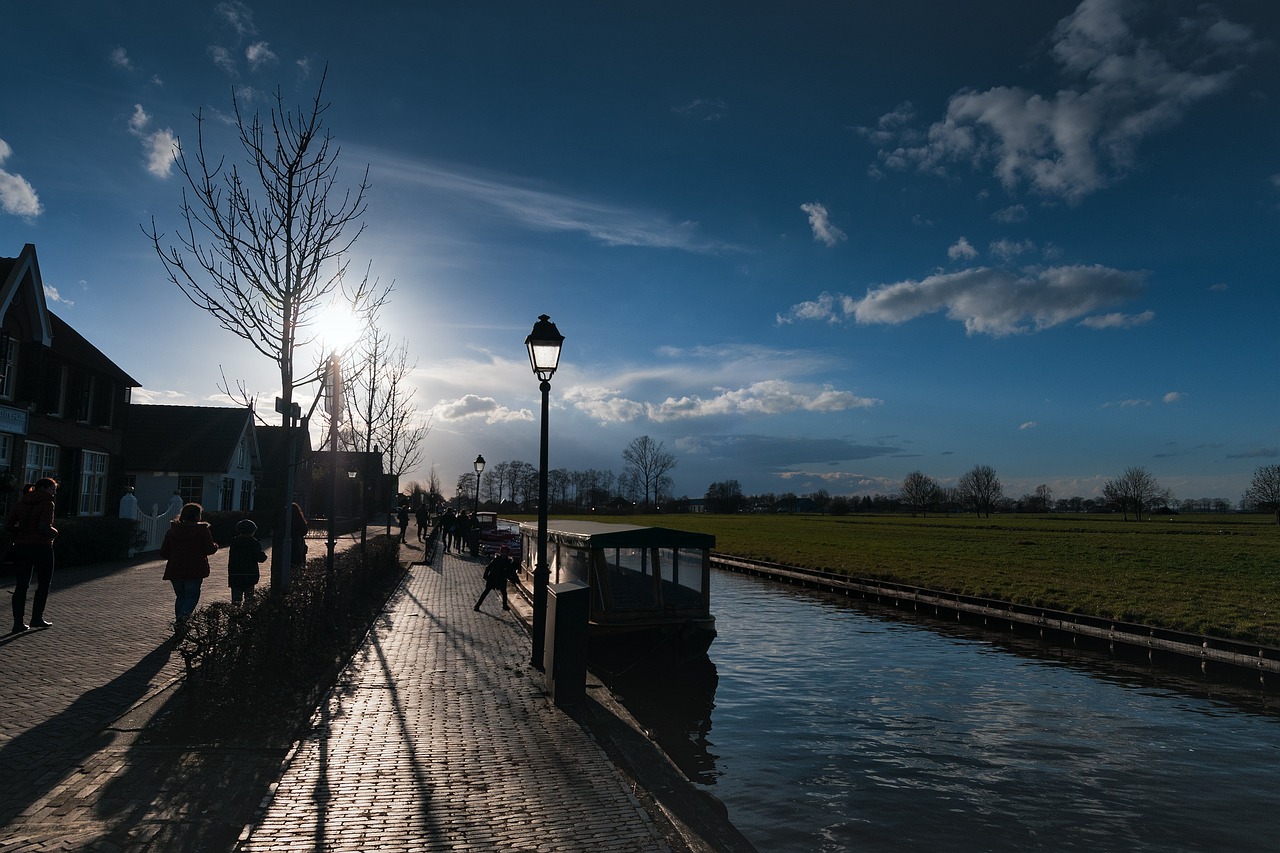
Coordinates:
(31, 523)
(186, 547)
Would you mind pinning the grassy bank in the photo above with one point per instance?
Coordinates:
(1209, 574)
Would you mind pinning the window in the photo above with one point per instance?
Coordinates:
(41, 461)
(55, 392)
(191, 489)
(8, 365)
(226, 494)
(84, 400)
(242, 457)
(6, 450)
(246, 495)
(93, 482)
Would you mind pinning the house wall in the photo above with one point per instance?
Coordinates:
(155, 488)
(73, 409)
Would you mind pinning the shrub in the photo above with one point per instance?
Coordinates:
(255, 665)
(86, 540)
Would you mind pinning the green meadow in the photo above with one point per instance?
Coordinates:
(1208, 574)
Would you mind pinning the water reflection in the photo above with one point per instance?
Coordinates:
(674, 703)
(828, 724)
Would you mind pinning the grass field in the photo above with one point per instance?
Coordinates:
(1208, 574)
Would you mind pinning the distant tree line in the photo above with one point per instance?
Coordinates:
(1134, 494)
(644, 485)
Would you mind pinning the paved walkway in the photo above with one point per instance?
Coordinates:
(439, 736)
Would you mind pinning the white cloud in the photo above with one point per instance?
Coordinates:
(962, 250)
(1008, 249)
(1118, 321)
(238, 16)
(17, 196)
(703, 109)
(1121, 86)
(160, 146)
(120, 58)
(223, 58)
(259, 54)
(473, 407)
(1029, 425)
(545, 210)
(51, 294)
(1127, 404)
(1012, 213)
(820, 222)
(1174, 397)
(769, 397)
(988, 301)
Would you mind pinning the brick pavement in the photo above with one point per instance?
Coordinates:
(440, 736)
(74, 698)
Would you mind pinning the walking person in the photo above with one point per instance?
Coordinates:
(402, 518)
(243, 556)
(500, 570)
(422, 515)
(31, 524)
(447, 522)
(186, 548)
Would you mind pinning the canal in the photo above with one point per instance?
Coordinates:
(828, 724)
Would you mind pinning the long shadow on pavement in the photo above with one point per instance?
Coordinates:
(39, 758)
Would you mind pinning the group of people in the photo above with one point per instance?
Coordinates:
(189, 543)
(186, 549)
(455, 530)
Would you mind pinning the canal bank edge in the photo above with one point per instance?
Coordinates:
(692, 819)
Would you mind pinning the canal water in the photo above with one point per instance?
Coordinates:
(827, 724)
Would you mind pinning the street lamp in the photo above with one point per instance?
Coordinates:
(544, 344)
(479, 466)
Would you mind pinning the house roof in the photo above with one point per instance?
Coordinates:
(271, 441)
(71, 345)
(22, 274)
(182, 438)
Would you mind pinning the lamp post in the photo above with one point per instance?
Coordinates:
(544, 344)
(479, 466)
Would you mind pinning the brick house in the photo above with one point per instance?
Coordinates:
(62, 401)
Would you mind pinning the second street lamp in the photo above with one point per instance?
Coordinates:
(479, 466)
(544, 344)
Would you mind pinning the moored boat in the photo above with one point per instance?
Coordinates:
(650, 586)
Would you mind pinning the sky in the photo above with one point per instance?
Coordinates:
(805, 246)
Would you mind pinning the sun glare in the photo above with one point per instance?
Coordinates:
(336, 328)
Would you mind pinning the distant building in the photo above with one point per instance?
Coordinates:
(207, 454)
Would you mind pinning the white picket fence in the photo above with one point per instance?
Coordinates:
(153, 525)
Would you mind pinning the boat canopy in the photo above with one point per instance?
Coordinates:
(595, 534)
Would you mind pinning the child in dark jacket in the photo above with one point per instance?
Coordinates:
(243, 557)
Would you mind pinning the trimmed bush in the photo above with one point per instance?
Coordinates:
(261, 665)
(85, 540)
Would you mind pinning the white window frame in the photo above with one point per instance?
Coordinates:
(8, 380)
(93, 481)
(40, 460)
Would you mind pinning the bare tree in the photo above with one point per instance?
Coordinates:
(919, 491)
(648, 462)
(262, 247)
(1137, 490)
(379, 405)
(1264, 491)
(979, 488)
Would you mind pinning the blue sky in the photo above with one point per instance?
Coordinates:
(804, 245)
